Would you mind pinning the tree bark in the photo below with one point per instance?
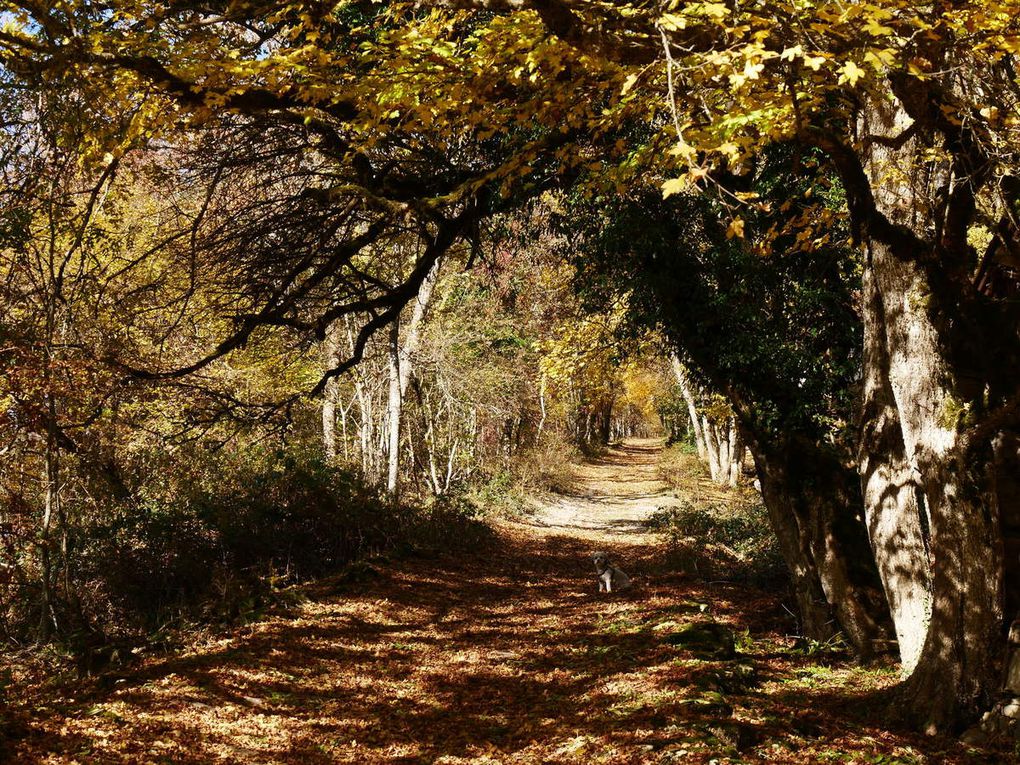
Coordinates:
(936, 334)
(811, 500)
(331, 395)
(959, 662)
(684, 381)
(895, 511)
(736, 450)
(400, 365)
(393, 407)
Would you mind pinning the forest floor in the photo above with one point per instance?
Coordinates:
(506, 654)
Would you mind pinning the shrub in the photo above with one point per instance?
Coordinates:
(214, 545)
(548, 465)
(679, 467)
(733, 543)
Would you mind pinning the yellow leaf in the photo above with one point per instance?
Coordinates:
(682, 149)
(791, 53)
(850, 73)
(735, 229)
(877, 30)
(751, 70)
(672, 22)
(629, 83)
(717, 10)
(814, 62)
(880, 58)
(673, 186)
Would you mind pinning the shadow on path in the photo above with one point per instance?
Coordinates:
(506, 654)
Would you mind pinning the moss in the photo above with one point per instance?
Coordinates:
(955, 414)
(919, 300)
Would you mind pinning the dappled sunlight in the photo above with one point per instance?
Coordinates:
(506, 654)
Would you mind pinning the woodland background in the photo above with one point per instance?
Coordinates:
(286, 284)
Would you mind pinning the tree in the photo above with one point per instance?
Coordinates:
(716, 437)
(771, 325)
(912, 105)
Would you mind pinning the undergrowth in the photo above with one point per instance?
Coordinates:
(722, 542)
(677, 467)
(216, 542)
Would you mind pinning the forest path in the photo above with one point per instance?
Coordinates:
(612, 496)
(502, 654)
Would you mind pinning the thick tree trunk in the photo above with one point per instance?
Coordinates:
(895, 511)
(811, 499)
(941, 383)
(959, 663)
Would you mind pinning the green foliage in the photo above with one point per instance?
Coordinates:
(672, 411)
(734, 543)
(769, 316)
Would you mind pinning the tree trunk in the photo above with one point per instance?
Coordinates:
(605, 422)
(331, 395)
(895, 511)
(400, 364)
(684, 381)
(936, 334)
(959, 662)
(811, 500)
(736, 450)
(393, 407)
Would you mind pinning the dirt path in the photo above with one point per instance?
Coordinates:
(612, 496)
(503, 655)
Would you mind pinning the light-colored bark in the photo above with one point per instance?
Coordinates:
(718, 444)
(331, 395)
(686, 390)
(959, 662)
(736, 452)
(897, 521)
(400, 365)
(393, 408)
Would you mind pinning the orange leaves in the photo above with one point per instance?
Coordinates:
(735, 229)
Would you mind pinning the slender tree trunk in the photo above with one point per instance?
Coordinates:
(736, 450)
(393, 408)
(541, 404)
(331, 395)
(47, 621)
(400, 364)
(684, 381)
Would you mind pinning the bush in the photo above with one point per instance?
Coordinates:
(548, 465)
(734, 543)
(679, 466)
(213, 546)
(500, 494)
